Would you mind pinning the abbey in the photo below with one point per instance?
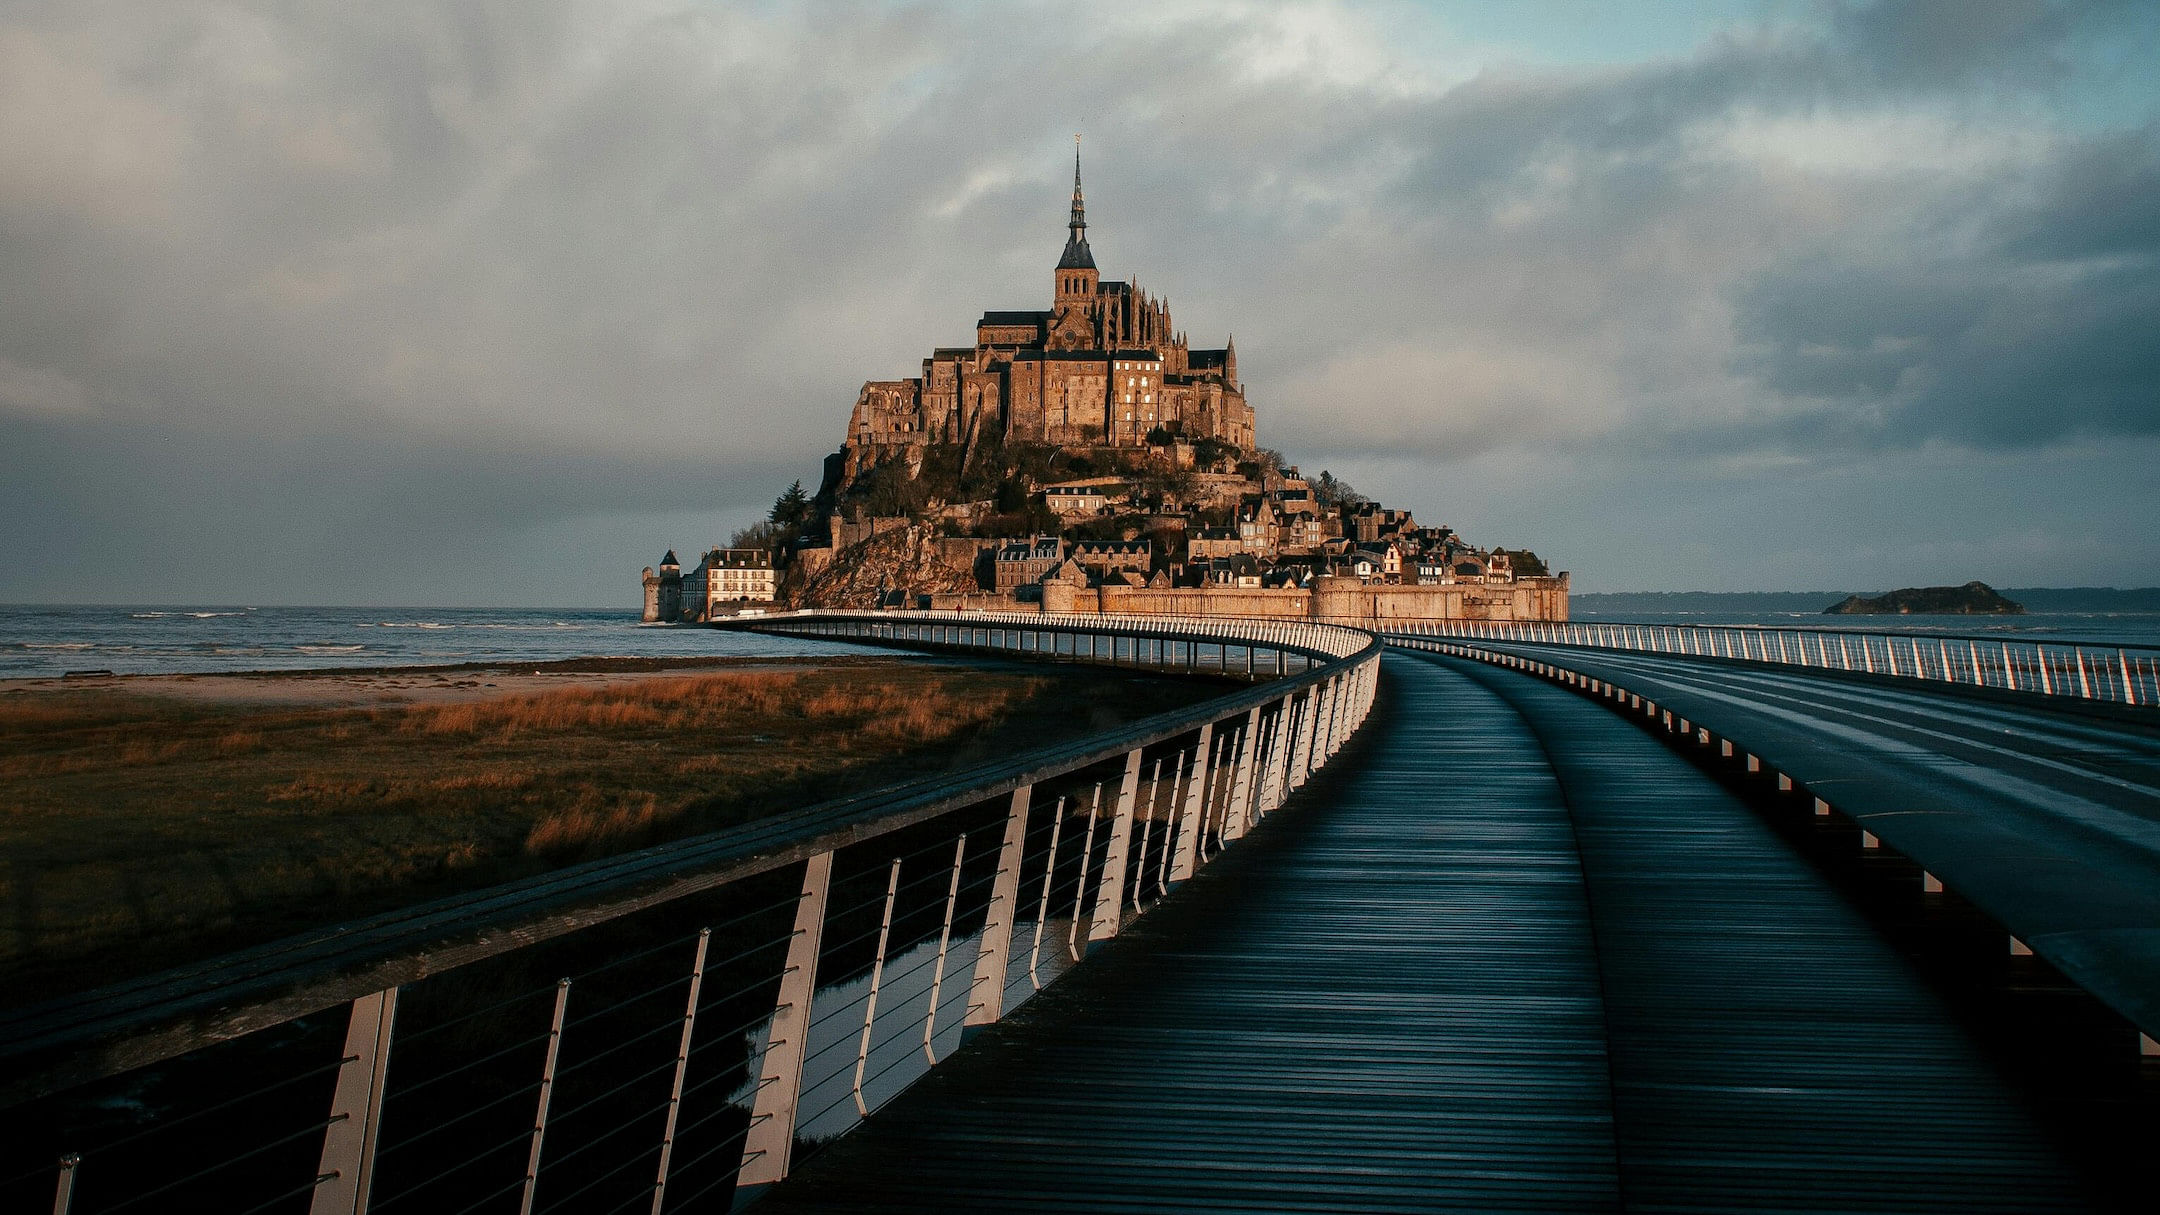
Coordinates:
(1102, 366)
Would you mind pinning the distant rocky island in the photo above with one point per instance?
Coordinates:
(1971, 599)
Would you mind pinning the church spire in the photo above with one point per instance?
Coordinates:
(1079, 204)
(1077, 256)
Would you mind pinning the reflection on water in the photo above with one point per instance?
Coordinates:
(896, 1057)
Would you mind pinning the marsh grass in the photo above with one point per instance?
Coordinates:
(137, 832)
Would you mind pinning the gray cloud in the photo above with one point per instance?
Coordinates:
(473, 270)
(2036, 329)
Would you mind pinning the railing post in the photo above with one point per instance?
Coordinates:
(986, 994)
(682, 1065)
(944, 943)
(1333, 736)
(1274, 781)
(1042, 912)
(64, 1183)
(1168, 816)
(347, 1166)
(770, 1141)
(1323, 695)
(1110, 889)
(877, 982)
(1236, 816)
(1147, 833)
(547, 1093)
(1190, 822)
(1087, 856)
(1300, 741)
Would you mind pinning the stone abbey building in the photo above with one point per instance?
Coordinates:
(1103, 365)
(1168, 505)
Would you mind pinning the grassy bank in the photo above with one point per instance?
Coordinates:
(141, 828)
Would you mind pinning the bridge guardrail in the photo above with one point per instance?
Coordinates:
(656, 1029)
(2070, 923)
(2126, 674)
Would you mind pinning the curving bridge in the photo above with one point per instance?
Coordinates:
(1552, 919)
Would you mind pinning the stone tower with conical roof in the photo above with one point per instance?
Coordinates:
(663, 591)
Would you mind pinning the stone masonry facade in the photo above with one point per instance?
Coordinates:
(1104, 365)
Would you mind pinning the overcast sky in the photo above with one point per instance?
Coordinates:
(441, 304)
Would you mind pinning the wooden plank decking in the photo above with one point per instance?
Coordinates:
(1414, 991)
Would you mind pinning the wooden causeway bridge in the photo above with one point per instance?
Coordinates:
(1485, 920)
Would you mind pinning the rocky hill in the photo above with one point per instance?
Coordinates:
(860, 574)
(1971, 599)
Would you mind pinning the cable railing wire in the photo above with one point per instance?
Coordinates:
(312, 1128)
(1062, 872)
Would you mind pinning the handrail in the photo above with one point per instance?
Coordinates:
(2125, 674)
(1218, 766)
(311, 971)
(1321, 637)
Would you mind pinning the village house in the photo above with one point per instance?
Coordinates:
(727, 578)
(1369, 521)
(1076, 498)
(1256, 528)
(1214, 542)
(1021, 563)
(1099, 558)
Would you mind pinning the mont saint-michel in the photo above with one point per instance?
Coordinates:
(1089, 457)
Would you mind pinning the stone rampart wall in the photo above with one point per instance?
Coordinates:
(1345, 600)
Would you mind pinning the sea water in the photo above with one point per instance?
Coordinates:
(44, 641)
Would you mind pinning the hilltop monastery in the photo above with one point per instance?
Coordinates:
(1119, 471)
(1103, 365)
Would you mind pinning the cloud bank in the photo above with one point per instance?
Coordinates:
(550, 284)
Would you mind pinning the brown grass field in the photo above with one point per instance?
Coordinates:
(140, 828)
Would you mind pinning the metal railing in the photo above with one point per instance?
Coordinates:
(2124, 674)
(1222, 645)
(665, 1029)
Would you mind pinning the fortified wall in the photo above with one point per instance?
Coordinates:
(1340, 599)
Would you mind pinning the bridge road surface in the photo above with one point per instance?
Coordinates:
(1507, 954)
(2047, 819)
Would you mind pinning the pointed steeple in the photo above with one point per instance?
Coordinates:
(1077, 256)
(1079, 203)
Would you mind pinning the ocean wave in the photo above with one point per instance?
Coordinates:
(412, 624)
(329, 649)
(214, 615)
(64, 645)
(149, 615)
